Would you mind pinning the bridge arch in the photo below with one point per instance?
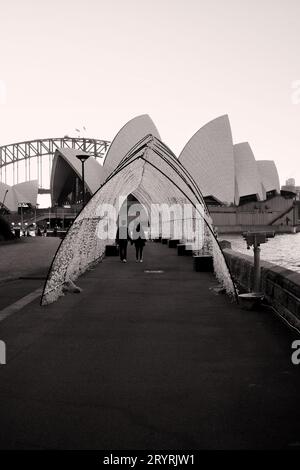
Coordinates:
(32, 159)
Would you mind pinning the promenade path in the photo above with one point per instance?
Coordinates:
(23, 265)
(144, 360)
(27, 256)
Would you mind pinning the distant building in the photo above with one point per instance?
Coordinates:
(290, 182)
(290, 186)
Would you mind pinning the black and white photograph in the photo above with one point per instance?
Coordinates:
(149, 229)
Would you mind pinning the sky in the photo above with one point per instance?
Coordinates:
(65, 64)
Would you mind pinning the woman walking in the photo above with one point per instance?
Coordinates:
(139, 243)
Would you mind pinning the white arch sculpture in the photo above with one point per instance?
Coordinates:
(152, 173)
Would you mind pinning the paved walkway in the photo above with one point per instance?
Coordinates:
(23, 266)
(147, 361)
(27, 256)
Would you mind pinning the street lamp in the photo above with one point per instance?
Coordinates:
(21, 206)
(82, 157)
(35, 209)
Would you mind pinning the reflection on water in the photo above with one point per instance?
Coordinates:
(283, 249)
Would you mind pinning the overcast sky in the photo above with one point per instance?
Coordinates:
(98, 63)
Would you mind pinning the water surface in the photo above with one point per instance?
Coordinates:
(283, 249)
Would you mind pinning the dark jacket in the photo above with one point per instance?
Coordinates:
(140, 238)
(122, 236)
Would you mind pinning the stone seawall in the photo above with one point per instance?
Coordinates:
(232, 229)
(280, 286)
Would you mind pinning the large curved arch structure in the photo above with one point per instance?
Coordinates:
(208, 156)
(33, 159)
(152, 173)
(247, 177)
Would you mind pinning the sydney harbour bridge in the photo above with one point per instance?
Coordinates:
(25, 161)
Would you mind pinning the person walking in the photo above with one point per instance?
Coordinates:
(139, 243)
(122, 238)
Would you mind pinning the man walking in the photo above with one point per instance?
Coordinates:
(139, 243)
(122, 239)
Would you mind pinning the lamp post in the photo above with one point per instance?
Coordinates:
(83, 157)
(35, 209)
(22, 216)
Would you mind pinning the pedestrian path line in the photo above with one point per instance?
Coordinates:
(19, 304)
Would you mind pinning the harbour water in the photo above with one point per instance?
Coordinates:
(283, 250)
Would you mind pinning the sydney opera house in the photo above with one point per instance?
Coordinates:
(225, 173)
(239, 190)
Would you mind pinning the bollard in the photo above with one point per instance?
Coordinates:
(203, 263)
(185, 249)
(111, 250)
(173, 242)
(181, 249)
